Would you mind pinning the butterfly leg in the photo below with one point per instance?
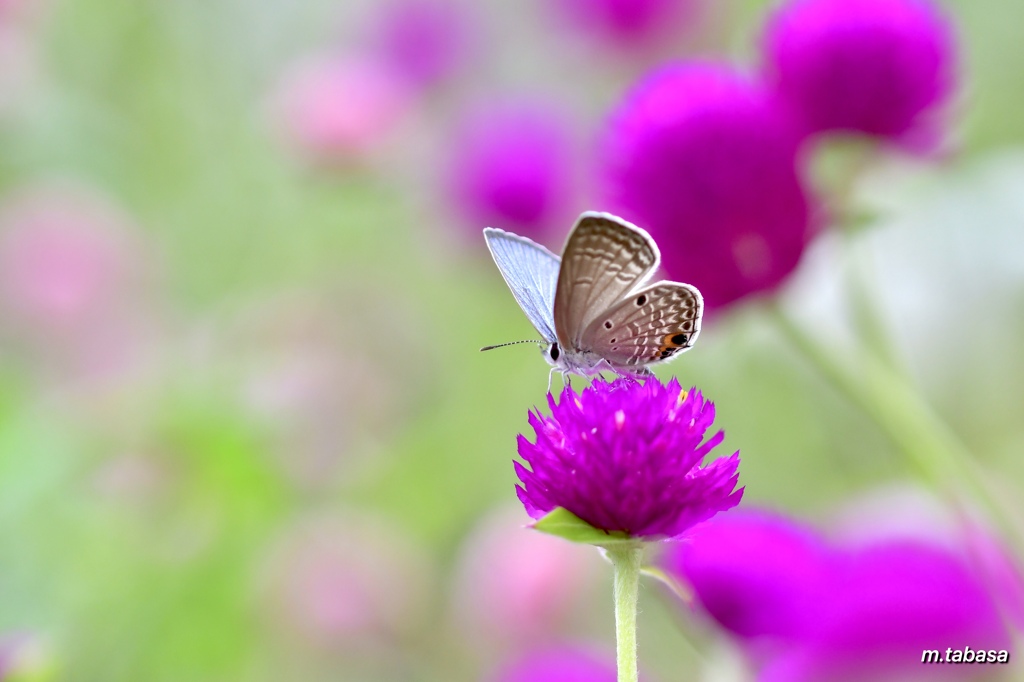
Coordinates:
(551, 374)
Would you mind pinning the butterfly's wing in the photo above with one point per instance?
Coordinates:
(531, 272)
(651, 325)
(604, 259)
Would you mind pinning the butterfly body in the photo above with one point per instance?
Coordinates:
(593, 305)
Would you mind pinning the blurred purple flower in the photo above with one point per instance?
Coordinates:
(888, 604)
(345, 580)
(561, 663)
(629, 23)
(336, 108)
(625, 456)
(820, 613)
(870, 66)
(755, 573)
(707, 163)
(906, 513)
(516, 585)
(511, 166)
(426, 41)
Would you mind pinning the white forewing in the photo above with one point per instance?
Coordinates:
(531, 272)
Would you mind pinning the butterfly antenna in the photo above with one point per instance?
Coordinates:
(510, 343)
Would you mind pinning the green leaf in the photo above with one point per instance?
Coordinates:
(565, 524)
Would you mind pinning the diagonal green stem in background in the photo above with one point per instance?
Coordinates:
(886, 396)
(626, 563)
(862, 300)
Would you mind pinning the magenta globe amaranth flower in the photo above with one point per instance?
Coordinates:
(707, 162)
(870, 66)
(754, 572)
(886, 605)
(810, 610)
(511, 166)
(627, 457)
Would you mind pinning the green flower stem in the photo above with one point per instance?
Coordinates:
(862, 302)
(885, 395)
(626, 562)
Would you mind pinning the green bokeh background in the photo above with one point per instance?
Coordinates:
(162, 106)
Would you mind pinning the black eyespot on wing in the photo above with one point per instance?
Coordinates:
(607, 324)
(641, 299)
(555, 353)
(679, 339)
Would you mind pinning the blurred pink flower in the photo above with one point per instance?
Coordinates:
(63, 259)
(74, 277)
(629, 23)
(557, 663)
(25, 656)
(426, 41)
(334, 107)
(135, 479)
(703, 159)
(345, 580)
(878, 67)
(515, 585)
(307, 373)
(512, 167)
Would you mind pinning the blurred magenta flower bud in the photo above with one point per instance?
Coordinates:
(346, 580)
(516, 585)
(629, 23)
(336, 108)
(815, 611)
(877, 67)
(557, 663)
(707, 163)
(511, 167)
(426, 41)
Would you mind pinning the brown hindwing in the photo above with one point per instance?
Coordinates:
(650, 326)
(603, 260)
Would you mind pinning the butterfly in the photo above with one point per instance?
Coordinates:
(593, 306)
